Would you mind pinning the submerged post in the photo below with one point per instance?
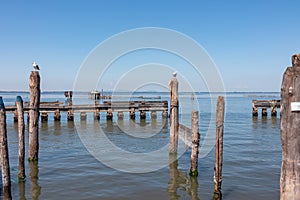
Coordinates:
(21, 129)
(34, 104)
(6, 184)
(290, 130)
(173, 85)
(195, 144)
(219, 148)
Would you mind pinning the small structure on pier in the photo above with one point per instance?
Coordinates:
(264, 105)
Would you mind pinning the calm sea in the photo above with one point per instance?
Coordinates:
(67, 168)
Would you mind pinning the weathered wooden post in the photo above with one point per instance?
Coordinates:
(83, 116)
(142, 114)
(274, 108)
(264, 112)
(96, 115)
(44, 116)
(254, 110)
(173, 85)
(290, 131)
(219, 148)
(70, 115)
(132, 113)
(34, 84)
(57, 115)
(21, 130)
(109, 114)
(6, 184)
(120, 115)
(153, 114)
(195, 144)
(164, 114)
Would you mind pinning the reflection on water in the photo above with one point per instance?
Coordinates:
(22, 190)
(180, 181)
(35, 189)
(252, 156)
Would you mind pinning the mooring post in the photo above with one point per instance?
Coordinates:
(274, 108)
(44, 116)
(164, 114)
(290, 129)
(96, 115)
(109, 114)
(120, 115)
(83, 116)
(153, 114)
(70, 115)
(21, 130)
(6, 183)
(57, 115)
(142, 114)
(195, 144)
(219, 148)
(264, 112)
(34, 84)
(173, 114)
(132, 113)
(254, 110)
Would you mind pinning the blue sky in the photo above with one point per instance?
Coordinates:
(251, 42)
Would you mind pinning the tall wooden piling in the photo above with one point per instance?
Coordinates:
(34, 84)
(6, 183)
(219, 148)
(290, 129)
(21, 130)
(195, 144)
(173, 114)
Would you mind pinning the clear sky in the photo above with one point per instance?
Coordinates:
(251, 42)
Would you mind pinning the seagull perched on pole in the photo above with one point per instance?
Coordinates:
(35, 66)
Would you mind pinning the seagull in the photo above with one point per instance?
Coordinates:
(35, 66)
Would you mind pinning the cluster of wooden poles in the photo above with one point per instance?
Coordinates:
(33, 134)
(176, 129)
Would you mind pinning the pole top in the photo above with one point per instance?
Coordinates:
(174, 74)
(296, 60)
(19, 99)
(1, 103)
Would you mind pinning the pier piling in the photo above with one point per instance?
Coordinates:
(219, 148)
(21, 130)
(195, 144)
(34, 85)
(173, 114)
(6, 183)
(290, 129)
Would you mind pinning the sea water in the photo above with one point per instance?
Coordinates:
(67, 169)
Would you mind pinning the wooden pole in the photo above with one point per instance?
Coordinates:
(6, 184)
(34, 104)
(21, 130)
(290, 130)
(173, 114)
(195, 144)
(219, 148)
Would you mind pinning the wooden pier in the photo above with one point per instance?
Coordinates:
(107, 106)
(264, 105)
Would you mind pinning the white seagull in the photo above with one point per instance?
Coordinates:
(35, 66)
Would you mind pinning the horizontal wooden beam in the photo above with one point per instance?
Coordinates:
(115, 106)
(266, 103)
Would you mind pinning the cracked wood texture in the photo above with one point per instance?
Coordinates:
(290, 132)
